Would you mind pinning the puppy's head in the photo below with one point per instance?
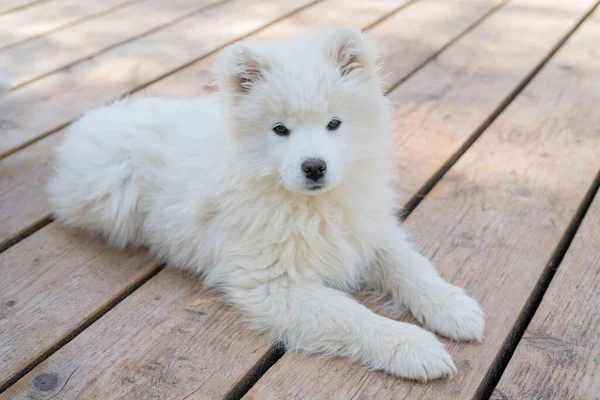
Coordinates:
(307, 110)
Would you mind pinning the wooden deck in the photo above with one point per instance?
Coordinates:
(497, 107)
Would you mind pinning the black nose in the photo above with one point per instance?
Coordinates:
(314, 168)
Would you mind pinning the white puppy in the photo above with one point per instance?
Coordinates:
(278, 190)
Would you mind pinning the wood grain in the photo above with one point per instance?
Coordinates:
(68, 46)
(559, 355)
(23, 177)
(170, 339)
(492, 222)
(49, 103)
(435, 22)
(451, 97)
(36, 21)
(427, 26)
(52, 282)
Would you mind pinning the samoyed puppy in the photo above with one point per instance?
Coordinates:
(278, 190)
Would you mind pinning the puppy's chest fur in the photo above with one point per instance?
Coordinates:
(314, 239)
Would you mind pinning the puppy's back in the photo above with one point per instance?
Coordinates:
(115, 155)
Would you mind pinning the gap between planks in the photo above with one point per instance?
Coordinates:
(260, 368)
(66, 61)
(67, 25)
(85, 323)
(426, 188)
(194, 61)
(490, 381)
(130, 39)
(30, 230)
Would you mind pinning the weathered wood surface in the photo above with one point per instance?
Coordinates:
(169, 339)
(454, 96)
(36, 21)
(559, 355)
(53, 101)
(490, 225)
(52, 283)
(62, 49)
(23, 176)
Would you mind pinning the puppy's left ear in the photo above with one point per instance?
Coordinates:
(351, 51)
(240, 67)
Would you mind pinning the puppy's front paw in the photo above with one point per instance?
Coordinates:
(416, 354)
(453, 314)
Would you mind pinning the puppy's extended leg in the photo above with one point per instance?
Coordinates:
(411, 280)
(317, 319)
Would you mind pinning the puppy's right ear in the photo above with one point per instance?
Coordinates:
(240, 68)
(350, 50)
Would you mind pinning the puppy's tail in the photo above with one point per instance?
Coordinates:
(94, 185)
(4, 85)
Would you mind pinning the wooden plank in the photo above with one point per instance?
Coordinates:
(170, 339)
(449, 99)
(36, 21)
(400, 52)
(49, 103)
(493, 220)
(370, 13)
(66, 47)
(52, 283)
(23, 176)
(558, 356)
(22, 173)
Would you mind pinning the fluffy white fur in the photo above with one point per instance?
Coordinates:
(208, 186)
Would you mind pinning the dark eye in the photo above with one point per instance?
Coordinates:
(333, 124)
(281, 130)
